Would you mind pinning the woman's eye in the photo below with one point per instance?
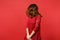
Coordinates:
(31, 10)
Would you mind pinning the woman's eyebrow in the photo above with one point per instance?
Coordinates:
(31, 8)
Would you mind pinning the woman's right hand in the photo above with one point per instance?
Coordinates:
(30, 39)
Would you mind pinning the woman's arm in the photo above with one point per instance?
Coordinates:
(27, 36)
(33, 32)
(27, 31)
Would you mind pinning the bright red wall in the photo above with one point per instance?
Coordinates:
(13, 19)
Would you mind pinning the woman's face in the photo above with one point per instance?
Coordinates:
(33, 11)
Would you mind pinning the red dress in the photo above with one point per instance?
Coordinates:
(34, 24)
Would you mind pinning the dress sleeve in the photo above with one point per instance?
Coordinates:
(37, 24)
(27, 24)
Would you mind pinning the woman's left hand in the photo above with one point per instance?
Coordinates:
(28, 37)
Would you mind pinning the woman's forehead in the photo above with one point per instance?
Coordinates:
(32, 8)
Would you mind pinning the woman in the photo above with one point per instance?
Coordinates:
(33, 24)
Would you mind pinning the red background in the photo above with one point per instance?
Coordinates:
(13, 19)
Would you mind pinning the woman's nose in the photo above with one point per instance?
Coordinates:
(33, 12)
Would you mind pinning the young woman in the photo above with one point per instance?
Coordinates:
(33, 24)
